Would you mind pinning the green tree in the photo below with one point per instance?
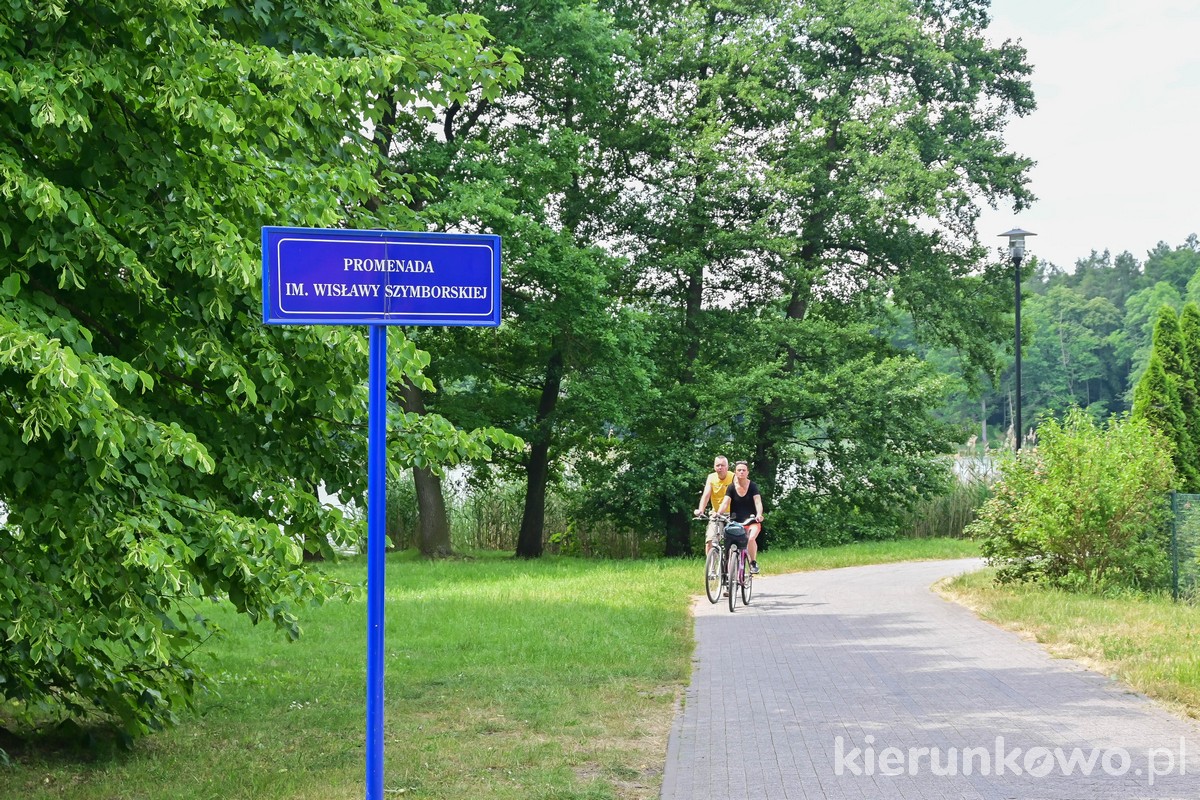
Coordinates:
(159, 446)
(1134, 342)
(1169, 343)
(1156, 401)
(1166, 394)
(694, 209)
(1100, 275)
(1175, 266)
(853, 245)
(780, 204)
(540, 166)
(1069, 359)
(1189, 328)
(1069, 331)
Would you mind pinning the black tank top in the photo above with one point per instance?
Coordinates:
(741, 507)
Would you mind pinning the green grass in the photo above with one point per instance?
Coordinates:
(504, 679)
(866, 553)
(1147, 642)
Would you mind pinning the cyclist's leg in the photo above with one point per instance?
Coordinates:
(752, 529)
(710, 535)
(747, 577)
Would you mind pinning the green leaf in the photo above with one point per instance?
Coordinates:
(10, 286)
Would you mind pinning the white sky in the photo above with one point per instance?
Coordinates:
(1116, 135)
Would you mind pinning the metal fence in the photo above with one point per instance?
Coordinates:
(1185, 546)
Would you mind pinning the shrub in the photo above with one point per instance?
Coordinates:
(801, 521)
(1084, 510)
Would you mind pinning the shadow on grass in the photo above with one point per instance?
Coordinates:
(66, 743)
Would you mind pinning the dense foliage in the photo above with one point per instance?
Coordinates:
(1086, 509)
(158, 445)
(1087, 336)
(808, 172)
(1166, 394)
(539, 166)
(699, 255)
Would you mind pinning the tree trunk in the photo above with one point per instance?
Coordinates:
(679, 532)
(765, 463)
(533, 519)
(983, 414)
(433, 526)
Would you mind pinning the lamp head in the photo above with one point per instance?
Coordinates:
(1016, 242)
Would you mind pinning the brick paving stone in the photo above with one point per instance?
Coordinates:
(862, 684)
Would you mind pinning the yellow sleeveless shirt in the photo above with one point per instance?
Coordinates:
(718, 488)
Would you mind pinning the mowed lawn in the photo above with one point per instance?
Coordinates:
(504, 679)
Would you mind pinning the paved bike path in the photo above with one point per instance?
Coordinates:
(863, 683)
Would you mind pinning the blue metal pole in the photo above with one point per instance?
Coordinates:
(376, 547)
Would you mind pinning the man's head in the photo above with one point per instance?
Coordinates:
(721, 466)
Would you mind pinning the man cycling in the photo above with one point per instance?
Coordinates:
(715, 486)
(744, 504)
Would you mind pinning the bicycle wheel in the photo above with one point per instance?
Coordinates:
(731, 573)
(712, 574)
(747, 584)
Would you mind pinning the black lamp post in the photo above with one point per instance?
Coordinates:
(1016, 252)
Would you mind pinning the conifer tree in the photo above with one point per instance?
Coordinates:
(1168, 342)
(1157, 397)
(1156, 400)
(1189, 325)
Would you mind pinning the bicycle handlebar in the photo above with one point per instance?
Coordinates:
(711, 515)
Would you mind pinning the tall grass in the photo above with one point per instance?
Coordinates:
(489, 518)
(948, 515)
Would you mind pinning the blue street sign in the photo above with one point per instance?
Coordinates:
(378, 278)
(346, 277)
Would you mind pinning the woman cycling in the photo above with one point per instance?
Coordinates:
(743, 503)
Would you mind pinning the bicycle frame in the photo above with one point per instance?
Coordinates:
(715, 581)
(739, 579)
